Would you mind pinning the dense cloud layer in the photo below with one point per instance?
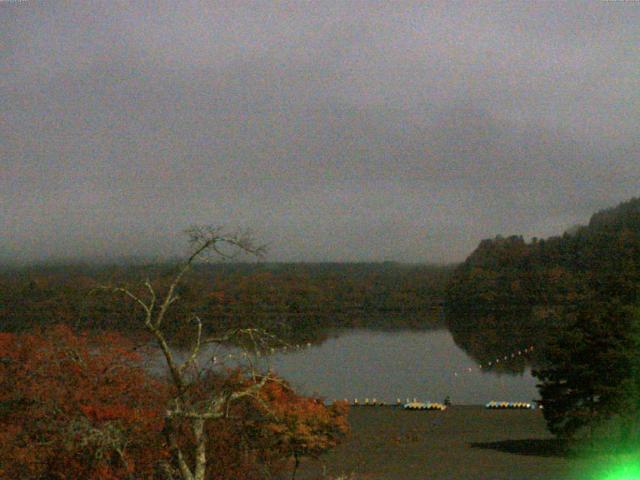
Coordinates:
(336, 130)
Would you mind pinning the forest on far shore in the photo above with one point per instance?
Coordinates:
(518, 293)
(296, 302)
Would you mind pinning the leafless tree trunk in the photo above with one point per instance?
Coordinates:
(183, 408)
(296, 465)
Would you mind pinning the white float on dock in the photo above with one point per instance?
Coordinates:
(494, 405)
(424, 406)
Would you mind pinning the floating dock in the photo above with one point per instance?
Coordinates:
(493, 405)
(425, 406)
(415, 404)
(408, 405)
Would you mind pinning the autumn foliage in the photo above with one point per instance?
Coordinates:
(277, 430)
(75, 408)
(301, 426)
(80, 406)
(267, 434)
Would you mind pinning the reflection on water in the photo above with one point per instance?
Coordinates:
(489, 334)
(388, 365)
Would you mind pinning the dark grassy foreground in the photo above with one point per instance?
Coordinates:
(464, 442)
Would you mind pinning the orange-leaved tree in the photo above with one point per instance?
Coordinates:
(295, 426)
(75, 406)
(262, 435)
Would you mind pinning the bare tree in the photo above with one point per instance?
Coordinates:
(185, 408)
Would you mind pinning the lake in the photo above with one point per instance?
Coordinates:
(388, 365)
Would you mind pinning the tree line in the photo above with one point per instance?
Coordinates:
(576, 297)
(298, 302)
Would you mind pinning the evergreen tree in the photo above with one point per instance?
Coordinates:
(592, 370)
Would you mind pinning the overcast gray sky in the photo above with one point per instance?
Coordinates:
(336, 130)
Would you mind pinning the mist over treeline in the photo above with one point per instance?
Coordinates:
(508, 293)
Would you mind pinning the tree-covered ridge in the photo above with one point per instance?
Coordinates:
(510, 293)
(295, 301)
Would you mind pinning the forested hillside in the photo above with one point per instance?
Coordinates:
(510, 293)
(295, 301)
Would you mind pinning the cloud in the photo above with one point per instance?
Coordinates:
(339, 131)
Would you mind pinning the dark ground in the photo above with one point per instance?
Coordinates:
(462, 443)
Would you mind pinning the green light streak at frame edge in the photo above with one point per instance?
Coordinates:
(622, 469)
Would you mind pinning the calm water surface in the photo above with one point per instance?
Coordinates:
(426, 365)
(401, 364)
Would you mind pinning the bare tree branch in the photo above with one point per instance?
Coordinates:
(203, 240)
(195, 350)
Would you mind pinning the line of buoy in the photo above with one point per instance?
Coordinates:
(496, 362)
(366, 403)
(220, 359)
